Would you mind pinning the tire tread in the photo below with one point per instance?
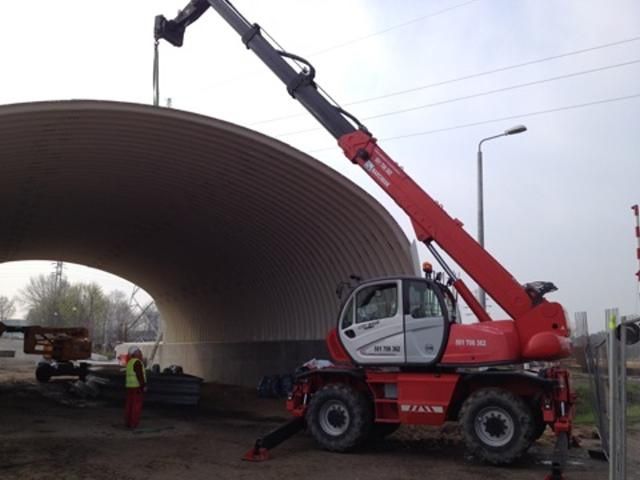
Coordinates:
(524, 428)
(361, 417)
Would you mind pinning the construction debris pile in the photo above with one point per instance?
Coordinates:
(169, 387)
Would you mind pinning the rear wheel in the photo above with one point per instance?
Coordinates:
(339, 417)
(498, 427)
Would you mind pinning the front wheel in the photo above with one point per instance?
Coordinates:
(497, 426)
(44, 372)
(339, 417)
(539, 426)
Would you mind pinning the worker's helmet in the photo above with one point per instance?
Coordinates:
(134, 350)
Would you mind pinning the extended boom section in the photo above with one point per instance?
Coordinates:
(541, 325)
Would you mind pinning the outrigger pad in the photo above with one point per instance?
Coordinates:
(256, 455)
(597, 454)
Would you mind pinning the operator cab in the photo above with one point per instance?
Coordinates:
(397, 321)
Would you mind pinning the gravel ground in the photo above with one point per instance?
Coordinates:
(43, 436)
(46, 434)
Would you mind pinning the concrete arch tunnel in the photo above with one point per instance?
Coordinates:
(238, 237)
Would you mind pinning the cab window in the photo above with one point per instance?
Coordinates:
(450, 306)
(377, 302)
(347, 316)
(423, 301)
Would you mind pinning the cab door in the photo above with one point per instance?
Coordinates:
(372, 325)
(426, 321)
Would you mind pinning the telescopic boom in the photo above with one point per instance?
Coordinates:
(541, 325)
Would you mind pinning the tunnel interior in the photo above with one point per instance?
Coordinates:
(239, 238)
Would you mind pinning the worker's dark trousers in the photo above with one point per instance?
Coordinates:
(133, 407)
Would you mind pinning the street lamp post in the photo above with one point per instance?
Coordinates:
(482, 298)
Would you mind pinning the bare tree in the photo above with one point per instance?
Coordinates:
(110, 319)
(89, 306)
(62, 304)
(7, 308)
(121, 320)
(43, 297)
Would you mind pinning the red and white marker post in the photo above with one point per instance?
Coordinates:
(636, 210)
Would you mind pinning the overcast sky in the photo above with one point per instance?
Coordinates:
(557, 198)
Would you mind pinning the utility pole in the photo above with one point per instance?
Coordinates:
(614, 412)
(636, 212)
(57, 275)
(57, 285)
(482, 297)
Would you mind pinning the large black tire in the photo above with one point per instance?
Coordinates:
(538, 424)
(44, 371)
(497, 426)
(538, 430)
(538, 427)
(339, 417)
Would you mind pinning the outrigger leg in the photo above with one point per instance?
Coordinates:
(559, 458)
(260, 451)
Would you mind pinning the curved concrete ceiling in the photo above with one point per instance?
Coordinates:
(237, 236)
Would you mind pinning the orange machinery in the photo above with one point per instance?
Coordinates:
(60, 348)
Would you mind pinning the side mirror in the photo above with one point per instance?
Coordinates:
(632, 333)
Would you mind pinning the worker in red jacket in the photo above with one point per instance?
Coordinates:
(136, 383)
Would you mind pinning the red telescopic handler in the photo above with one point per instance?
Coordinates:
(400, 354)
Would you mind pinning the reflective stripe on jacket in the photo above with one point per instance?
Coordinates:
(131, 377)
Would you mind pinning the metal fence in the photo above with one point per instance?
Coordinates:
(603, 356)
(592, 356)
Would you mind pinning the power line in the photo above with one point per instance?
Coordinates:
(464, 77)
(498, 70)
(501, 119)
(349, 42)
(512, 87)
(475, 95)
(388, 29)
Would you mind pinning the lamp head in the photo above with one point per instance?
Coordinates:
(516, 129)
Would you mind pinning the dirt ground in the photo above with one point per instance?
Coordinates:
(45, 435)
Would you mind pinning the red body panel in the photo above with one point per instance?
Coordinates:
(485, 343)
(543, 333)
(482, 343)
(336, 350)
(422, 398)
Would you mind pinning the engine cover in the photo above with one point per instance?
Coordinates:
(478, 344)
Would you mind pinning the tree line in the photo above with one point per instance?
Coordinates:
(110, 318)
